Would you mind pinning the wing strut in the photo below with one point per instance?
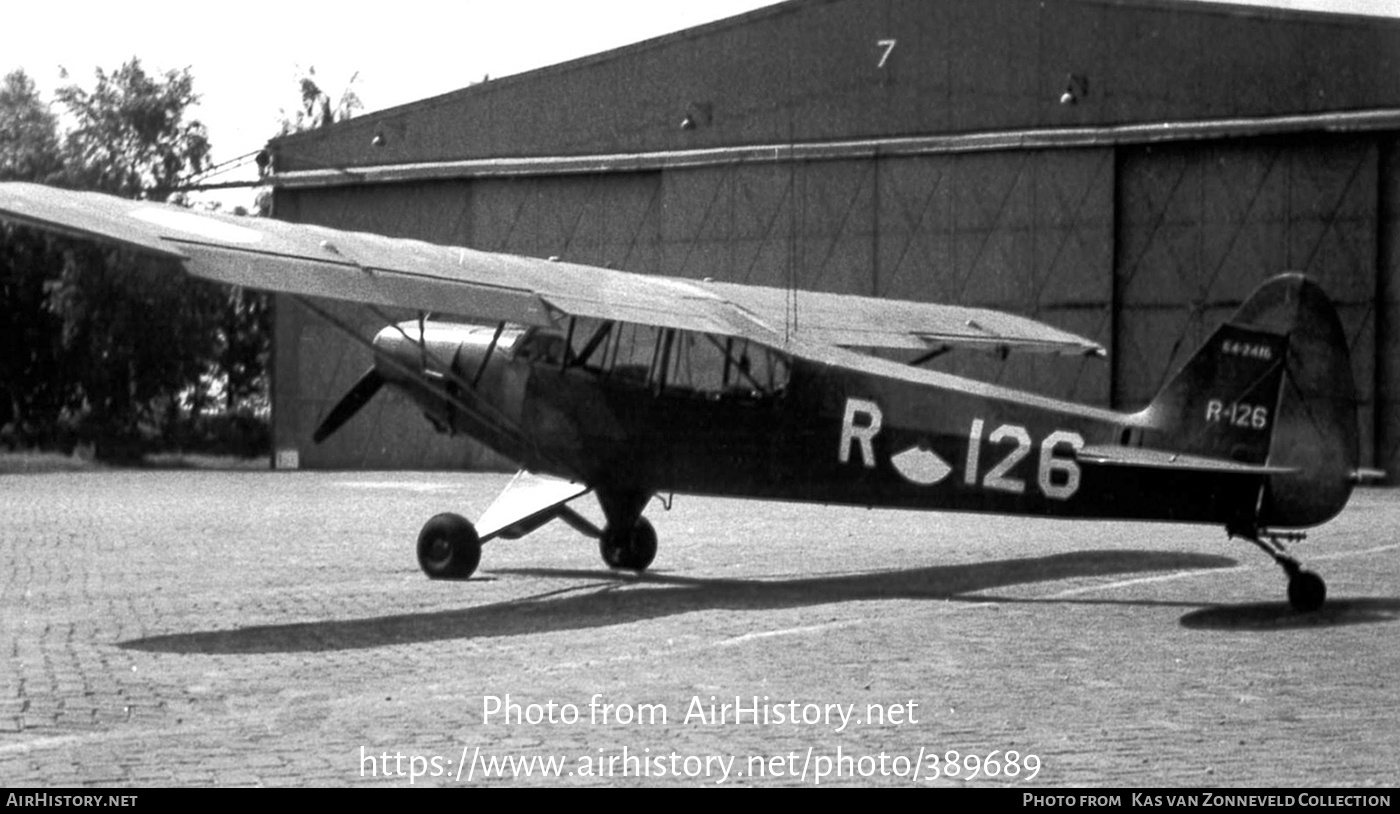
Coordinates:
(485, 359)
(930, 356)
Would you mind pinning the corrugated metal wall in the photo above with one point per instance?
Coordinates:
(603, 220)
(1024, 231)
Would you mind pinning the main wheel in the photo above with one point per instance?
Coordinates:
(448, 547)
(632, 549)
(1306, 591)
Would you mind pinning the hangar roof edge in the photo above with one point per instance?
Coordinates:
(590, 106)
(1341, 122)
(1199, 7)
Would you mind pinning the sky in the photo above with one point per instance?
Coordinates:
(246, 57)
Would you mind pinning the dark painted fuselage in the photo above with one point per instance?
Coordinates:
(882, 434)
(906, 439)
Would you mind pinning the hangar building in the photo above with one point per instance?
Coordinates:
(1126, 170)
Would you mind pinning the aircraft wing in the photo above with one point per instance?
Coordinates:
(853, 321)
(319, 262)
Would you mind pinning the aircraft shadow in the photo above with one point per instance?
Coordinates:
(1279, 616)
(600, 602)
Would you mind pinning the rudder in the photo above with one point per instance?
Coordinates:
(1315, 432)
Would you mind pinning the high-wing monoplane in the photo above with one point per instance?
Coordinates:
(631, 385)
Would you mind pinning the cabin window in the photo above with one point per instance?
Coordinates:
(725, 366)
(667, 360)
(630, 352)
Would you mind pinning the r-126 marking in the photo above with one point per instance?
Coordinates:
(1057, 477)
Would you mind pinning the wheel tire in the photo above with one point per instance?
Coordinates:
(1306, 592)
(631, 550)
(448, 547)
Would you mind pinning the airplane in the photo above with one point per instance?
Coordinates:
(632, 386)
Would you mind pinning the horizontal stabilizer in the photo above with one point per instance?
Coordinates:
(528, 502)
(1112, 455)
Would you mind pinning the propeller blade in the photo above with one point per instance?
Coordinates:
(349, 404)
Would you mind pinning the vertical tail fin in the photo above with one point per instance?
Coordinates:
(1273, 385)
(1221, 403)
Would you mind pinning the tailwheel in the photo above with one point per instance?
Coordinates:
(632, 548)
(448, 547)
(1306, 591)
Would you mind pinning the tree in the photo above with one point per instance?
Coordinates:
(29, 148)
(136, 333)
(317, 109)
(102, 342)
(33, 389)
(30, 392)
(133, 340)
(130, 137)
(245, 334)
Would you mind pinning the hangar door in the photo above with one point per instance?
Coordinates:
(1025, 231)
(1028, 231)
(1200, 225)
(609, 220)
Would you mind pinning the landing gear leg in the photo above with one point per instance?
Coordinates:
(629, 540)
(1306, 590)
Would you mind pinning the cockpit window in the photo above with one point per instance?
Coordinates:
(540, 345)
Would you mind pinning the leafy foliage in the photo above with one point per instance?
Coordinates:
(33, 390)
(29, 148)
(130, 137)
(105, 346)
(317, 108)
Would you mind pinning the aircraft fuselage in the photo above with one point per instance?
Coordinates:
(915, 440)
(885, 435)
